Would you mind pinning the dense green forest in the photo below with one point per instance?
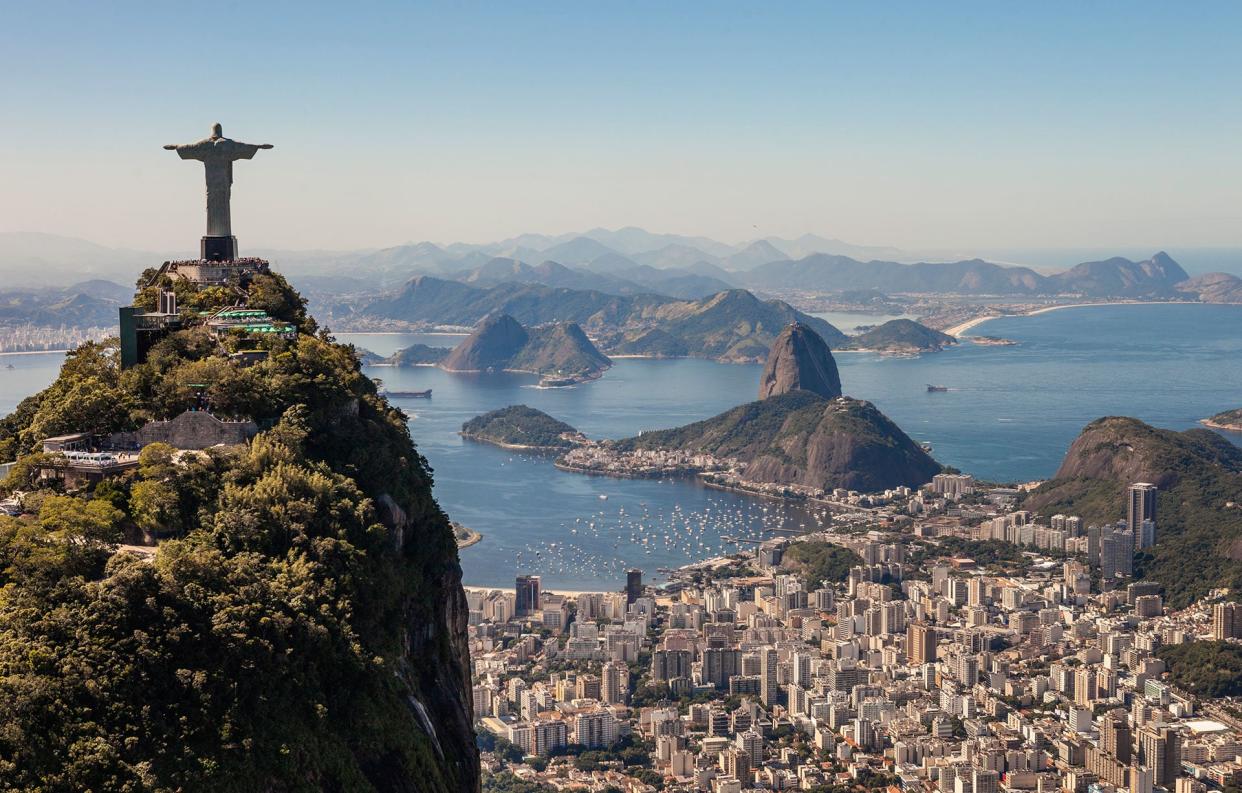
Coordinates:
(519, 425)
(295, 608)
(818, 562)
(1205, 669)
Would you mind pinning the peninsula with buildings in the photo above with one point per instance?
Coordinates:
(801, 439)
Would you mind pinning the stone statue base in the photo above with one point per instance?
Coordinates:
(218, 249)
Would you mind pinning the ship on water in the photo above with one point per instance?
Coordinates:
(408, 394)
(936, 389)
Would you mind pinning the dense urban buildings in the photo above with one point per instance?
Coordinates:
(963, 645)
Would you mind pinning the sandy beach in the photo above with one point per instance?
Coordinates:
(961, 328)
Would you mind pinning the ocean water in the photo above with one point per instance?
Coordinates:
(1009, 414)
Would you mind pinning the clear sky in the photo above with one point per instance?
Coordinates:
(916, 125)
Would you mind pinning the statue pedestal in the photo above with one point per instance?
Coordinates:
(218, 249)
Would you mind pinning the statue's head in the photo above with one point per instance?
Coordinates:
(217, 131)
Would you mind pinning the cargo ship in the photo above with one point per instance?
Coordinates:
(409, 394)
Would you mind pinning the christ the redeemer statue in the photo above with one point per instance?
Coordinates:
(217, 154)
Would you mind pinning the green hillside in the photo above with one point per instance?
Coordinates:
(519, 425)
(802, 438)
(1199, 522)
(300, 599)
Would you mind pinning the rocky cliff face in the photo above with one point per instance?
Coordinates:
(1121, 449)
(800, 360)
(435, 667)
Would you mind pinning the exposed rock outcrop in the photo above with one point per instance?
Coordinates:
(800, 360)
(1122, 449)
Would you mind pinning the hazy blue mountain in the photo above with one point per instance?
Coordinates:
(30, 259)
(85, 305)
(829, 273)
(753, 255)
(682, 256)
(732, 325)
(628, 278)
(102, 289)
(631, 240)
(807, 244)
(576, 252)
(676, 283)
(549, 273)
(1118, 277)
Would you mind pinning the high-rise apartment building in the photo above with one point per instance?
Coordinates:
(1160, 749)
(1140, 507)
(769, 683)
(920, 643)
(1227, 621)
(528, 595)
(633, 585)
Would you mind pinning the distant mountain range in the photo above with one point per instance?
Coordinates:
(733, 325)
(29, 259)
(84, 305)
(1158, 276)
(631, 262)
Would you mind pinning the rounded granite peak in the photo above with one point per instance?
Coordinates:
(800, 360)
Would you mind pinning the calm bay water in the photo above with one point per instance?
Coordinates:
(1009, 415)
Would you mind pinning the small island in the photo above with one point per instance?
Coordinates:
(993, 341)
(900, 336)
(415, 355)
(1229, 420)
(522, 427)
(560, 351)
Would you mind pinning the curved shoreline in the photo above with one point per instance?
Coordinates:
(512, 446)
(962, 327)
(1218, 426)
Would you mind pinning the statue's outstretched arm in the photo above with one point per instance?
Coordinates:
(171, 147)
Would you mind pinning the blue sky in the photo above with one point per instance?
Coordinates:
(919, 125)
